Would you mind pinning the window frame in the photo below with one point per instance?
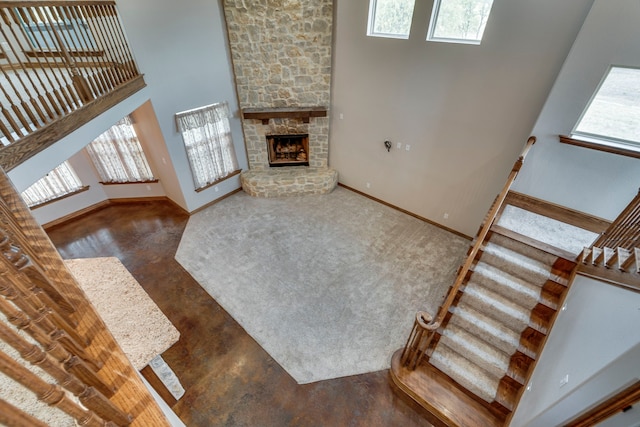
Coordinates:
(221, 111)
(77, 188)
(122, 150)
(433, 22)
(592, 139)
(373, 5)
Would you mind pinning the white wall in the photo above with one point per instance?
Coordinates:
(181, 49)
(587, 180)
(465, 110)
(596, 341)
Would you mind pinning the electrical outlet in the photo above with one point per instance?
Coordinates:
(368, 185)
(446, 215)
(407, 147)
(148, 188)
(399, 145)
(164, 161)
(341, 116)
(215, 188)
(564, 380)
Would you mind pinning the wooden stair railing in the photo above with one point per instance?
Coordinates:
(67, 338)
(615, 255)
(58, 58)
(426, 325)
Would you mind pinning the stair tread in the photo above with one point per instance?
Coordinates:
(434, 390)
(476, 350)
(522, 248)
(508, 285)
(487, 328)
(466, 373)
(496, 306)
(515, 263)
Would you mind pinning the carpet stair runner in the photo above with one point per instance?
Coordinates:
(495, 329)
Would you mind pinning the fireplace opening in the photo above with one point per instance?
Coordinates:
(288, 150)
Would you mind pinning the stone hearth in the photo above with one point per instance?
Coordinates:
(281, 59)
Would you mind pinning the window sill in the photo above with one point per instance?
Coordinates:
(613, 149)
(151, 181)
(57, 199)
(224, 178)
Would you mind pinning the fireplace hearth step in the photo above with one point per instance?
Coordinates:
(288, 181)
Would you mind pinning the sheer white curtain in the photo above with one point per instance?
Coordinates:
(118, 156)
(57, 183)
(207, 138)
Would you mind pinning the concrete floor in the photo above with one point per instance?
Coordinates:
(229, 379)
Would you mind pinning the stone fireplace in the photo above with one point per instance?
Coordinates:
(281, 55)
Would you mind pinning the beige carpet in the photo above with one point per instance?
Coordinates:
(328, 285)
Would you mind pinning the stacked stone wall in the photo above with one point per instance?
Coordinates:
(281, 54)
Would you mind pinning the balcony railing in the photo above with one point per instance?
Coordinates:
(57, 59)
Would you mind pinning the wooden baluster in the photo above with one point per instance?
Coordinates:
(38, 87)
(85, 371)
(15, 417)
(50, 394)
(25, 264)
(18, 98)
(98, 89)
(42, 118)
(128, 61)
(118, 48)
(27, 14)
(19, 20)
(116, 74)
(104, 74)
(89, 397)
(42, 316)
(7, 133)
(609, 235)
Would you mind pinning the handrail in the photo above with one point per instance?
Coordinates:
(418, 341)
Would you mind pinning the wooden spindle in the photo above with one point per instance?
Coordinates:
(15, 417)
(114, 74)
(89, 397)
(38, 279)
(84, 370)
(50, 394)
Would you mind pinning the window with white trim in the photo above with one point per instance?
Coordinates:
(118, 156)
(612, 117)
(459, 21)
(207, 139)
(60, 182)
(390, 18)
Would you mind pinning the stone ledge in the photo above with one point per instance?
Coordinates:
(288, 181)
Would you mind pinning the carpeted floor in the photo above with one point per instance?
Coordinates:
(327, 285)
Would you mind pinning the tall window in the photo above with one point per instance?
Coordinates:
(390, 18)
(459, 21)
(43, 22)
(207, 139)
(58, 183)
(118, 157)
(613, 115)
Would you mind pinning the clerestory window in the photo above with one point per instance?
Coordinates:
(612, 117)
(390, 18)
(459, 21)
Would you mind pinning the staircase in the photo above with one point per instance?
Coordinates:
(484, 350)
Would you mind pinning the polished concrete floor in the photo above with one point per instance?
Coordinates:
(229, 379)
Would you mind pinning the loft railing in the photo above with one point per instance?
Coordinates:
(58, 58)
(425, 324)
(624, 232)
(615, 255)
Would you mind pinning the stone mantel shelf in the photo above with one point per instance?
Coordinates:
(265, 114)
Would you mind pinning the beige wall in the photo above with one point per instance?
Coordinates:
(466, 111)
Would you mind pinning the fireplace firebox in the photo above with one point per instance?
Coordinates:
(288, 150)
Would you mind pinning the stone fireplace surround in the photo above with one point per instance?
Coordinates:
(281, 56)
(261, 180)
